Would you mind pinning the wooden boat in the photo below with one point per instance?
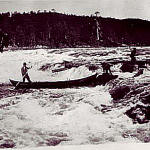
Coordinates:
(88, 81)
(58, 84)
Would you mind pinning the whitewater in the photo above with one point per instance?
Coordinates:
(71, 116)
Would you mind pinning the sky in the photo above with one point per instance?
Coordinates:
(108, 8)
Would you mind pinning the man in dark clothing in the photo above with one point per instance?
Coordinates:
(24, 71)
(4, 40)
(106, 68)
(132, 55)
(1, 48)
(1, 41)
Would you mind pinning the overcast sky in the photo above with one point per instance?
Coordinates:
(107, 8)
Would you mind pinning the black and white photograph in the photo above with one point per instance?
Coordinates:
(74, 74)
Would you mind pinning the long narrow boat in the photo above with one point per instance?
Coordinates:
(88, 81)
(58, 84)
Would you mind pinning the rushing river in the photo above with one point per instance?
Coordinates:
(71, 116)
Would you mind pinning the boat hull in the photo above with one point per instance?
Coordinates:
(88, 81)
(59, 84)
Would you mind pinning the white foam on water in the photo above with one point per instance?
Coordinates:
(75, 112)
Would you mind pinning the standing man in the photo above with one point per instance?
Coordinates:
(1, 40)
(4, 40)
(24, 71)
(132, 55)
(106, 68)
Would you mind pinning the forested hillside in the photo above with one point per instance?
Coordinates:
(60, 30)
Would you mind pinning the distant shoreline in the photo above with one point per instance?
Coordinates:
(14, 48)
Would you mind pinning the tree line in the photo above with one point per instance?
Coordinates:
(56, 30)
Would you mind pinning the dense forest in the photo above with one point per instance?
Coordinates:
(57, 30)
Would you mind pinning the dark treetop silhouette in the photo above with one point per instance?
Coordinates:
(56, 30)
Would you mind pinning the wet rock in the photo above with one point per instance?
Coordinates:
(137, 90)
(141, 64)
(69, 65)
(145, 98)
(139, 114)
(53, 141)
(1, 138)
(119, 92)
(93, 67)
(139, 73)
(127, 67)
(45, 67)
(7, 144)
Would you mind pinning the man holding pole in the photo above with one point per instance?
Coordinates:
(24, 71)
